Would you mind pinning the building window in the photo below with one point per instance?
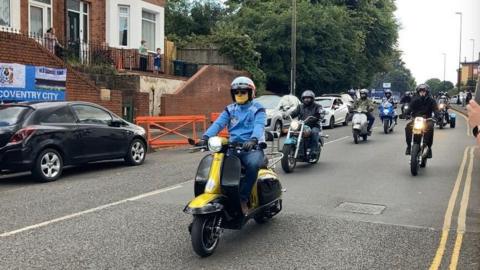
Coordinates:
(5, 13)
(148, 29)
(124, 15)
(40, 19)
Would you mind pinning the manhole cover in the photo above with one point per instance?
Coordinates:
(362, 208)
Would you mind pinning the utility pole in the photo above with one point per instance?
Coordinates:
(293, 68)
(460, 52)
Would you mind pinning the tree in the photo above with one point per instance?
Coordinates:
(398, 75)
(436, 86)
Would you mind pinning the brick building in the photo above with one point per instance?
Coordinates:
(118, 23)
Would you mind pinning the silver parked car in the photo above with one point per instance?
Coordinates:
(275, 108)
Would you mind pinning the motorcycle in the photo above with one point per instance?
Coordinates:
(444, 118)
(419, 151)
(359, 126)
(295, 149)
(387, 115)
(405, 115)
(216, 205)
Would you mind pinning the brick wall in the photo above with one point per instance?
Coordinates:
(19, 49)
(206, 92)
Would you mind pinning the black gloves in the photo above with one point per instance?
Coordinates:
(250, 144)
(203, 142)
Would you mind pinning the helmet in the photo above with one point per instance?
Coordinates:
(243, 83)
(351, 92)
(423, 86)
(308, 94)
(388, 93)
(408, 93)
(364, 93)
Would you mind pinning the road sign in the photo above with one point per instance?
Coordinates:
(387, 85)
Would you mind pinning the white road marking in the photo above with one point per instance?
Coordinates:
(337, 140)
(45, 223)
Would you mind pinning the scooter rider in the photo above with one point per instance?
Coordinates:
(389, 98)
(245, 120)
(366, 105)
(406, 99)
(422, 105)
(310, 108)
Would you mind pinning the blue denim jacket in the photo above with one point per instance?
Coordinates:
(244, 122)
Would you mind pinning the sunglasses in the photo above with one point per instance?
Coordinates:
(240, 92)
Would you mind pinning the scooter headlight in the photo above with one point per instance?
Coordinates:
(215, 144)
(419, 123)
(295, 125)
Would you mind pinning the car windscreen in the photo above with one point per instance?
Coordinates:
(11, 115)
(269, 102)
(325, 103)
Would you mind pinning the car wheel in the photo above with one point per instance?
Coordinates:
(136, 153)
(332, 123)
(48, 166)
(278, 127)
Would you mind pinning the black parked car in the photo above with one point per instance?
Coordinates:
(46, 136)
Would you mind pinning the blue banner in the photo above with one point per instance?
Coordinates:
(31, 83)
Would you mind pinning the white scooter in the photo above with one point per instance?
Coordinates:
(359, 125)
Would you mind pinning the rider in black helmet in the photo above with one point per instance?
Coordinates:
(422, 105)
(310, 108)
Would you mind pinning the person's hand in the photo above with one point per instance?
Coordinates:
(202, 142)
(473, 113)
(250, 144)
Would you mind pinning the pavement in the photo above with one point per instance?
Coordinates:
(358, 208)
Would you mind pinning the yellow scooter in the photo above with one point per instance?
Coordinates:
(216, 205)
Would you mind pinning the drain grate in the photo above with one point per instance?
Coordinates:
(361, 208)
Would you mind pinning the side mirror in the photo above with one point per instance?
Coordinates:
(116, 123)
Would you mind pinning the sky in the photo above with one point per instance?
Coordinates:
(430, 28)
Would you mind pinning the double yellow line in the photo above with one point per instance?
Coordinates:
(468, 156)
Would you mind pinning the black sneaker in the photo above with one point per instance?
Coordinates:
(408, 151)
(429, 155)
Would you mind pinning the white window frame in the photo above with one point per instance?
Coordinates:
(81, 14)
(44, 8)
(10, 16)
(154, 47)
(128, 22)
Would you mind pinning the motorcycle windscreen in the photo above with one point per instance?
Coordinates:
(201, 178)
(231, 176)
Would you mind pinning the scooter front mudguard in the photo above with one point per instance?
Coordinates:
(205, 204)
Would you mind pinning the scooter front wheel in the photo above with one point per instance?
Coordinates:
(204, 234)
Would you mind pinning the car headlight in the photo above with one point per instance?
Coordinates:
(215, 144)
(295, 125)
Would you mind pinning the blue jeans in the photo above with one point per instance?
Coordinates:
(371, 120)
(252, 161)
(313, 140)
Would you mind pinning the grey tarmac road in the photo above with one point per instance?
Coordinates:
(94, 218)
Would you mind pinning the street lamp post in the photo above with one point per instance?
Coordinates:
(459, 52)
(444, 69)
(293, 68)
(473, 49)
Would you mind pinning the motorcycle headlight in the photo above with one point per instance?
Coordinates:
(386, 111)
(419, 123)
(295, 125)
(215, 144)
(441, 106)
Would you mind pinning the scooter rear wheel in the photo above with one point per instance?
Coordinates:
(204, 237)
(355, 136)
